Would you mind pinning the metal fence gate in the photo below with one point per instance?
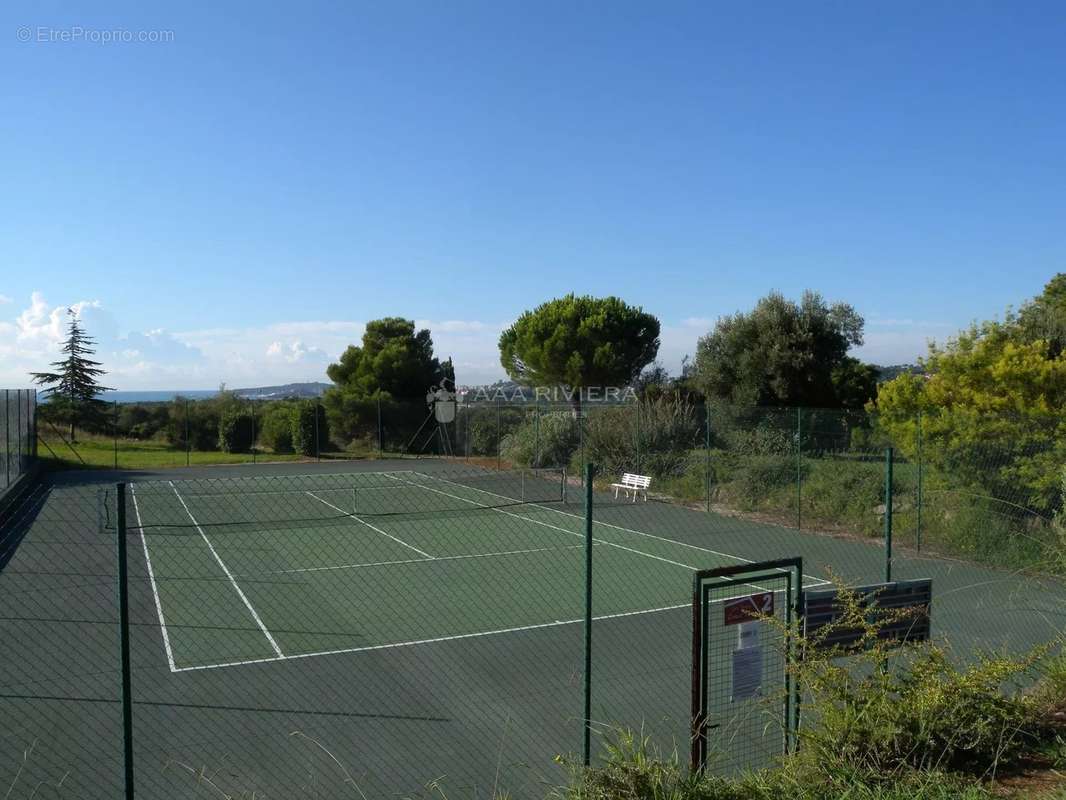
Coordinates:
(744, 704)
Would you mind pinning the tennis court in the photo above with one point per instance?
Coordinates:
(259, 563)
(300, 630)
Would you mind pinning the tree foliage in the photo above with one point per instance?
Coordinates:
(580, 343)
(310, 428)
(997, 388)
(73, 385)
(784, 353)
(236, 429)
(393, 362)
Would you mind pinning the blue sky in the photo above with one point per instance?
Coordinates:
(233, 203)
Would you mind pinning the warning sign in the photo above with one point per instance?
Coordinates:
(747, 673)
(748, 609)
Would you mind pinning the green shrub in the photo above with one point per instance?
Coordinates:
(480, 431)
(543, 439)
(236, 430)
(275, 427)
(304, 428)
(886, 709)
(843, 491)
(759, 476)
(653, 437)
(193, 424)
(633, 769)
(351, 416)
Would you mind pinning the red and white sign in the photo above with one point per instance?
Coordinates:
(749, 609)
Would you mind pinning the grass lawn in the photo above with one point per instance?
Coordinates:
(96, 452)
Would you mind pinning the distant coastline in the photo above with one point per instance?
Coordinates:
(288, 390)
(159, 396)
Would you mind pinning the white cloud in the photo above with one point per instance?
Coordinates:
(295, 352)
(4, 300)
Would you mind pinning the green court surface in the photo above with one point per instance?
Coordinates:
(390, 559)
(299, 630)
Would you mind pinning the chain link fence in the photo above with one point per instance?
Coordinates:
(395, 625)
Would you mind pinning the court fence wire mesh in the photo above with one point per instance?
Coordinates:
(386, 626)
(18, 427)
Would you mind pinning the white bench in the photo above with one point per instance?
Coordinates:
(632, 484)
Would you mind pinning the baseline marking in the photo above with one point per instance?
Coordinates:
(454, 637)
(151, 578)
(229, 575)
(378, 530)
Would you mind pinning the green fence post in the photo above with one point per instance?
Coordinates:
(799, 467)
(124, 639)
(589, 473)
(499, 433)
(888, 514)
(114, 429)
(253, 430)
(188, 444)
(580, 438)
(918, 521)
(707, 457)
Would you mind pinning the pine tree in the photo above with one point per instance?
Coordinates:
(73, 385)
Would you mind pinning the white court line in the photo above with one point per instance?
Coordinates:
(378, 530)
(421, 560)
(454, 637)
(151, 578)
(553, 527)
(282, 492)
(434, 640)
(815, 580)
(229, 575)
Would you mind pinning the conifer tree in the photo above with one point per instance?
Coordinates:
(73, 385)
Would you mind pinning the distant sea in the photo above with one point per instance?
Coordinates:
(156, 397)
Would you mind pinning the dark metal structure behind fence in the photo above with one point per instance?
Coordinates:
(18, 432)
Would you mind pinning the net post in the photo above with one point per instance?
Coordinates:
(590, 471)
(124, 638)
(888, 514)
(566, 498)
